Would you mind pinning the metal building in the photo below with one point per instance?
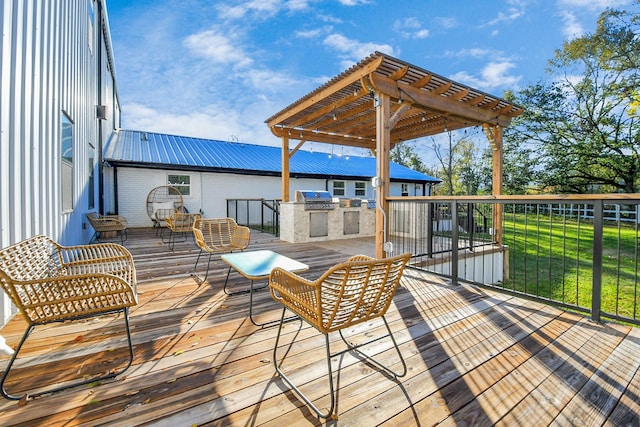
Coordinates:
(211, 171)
(58, 105)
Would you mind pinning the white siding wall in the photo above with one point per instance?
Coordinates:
(209, 191)
(47, 67)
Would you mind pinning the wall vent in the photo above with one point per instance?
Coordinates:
(101, 112)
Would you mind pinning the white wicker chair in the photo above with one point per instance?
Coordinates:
(162, 201)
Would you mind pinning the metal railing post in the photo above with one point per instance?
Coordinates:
(454, 242)
(470, 224)
(596, 292)
(430, 219)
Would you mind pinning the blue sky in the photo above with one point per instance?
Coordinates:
(219, 69)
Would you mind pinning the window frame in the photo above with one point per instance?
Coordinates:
(342, 187)
(67, 133)
(181, 186)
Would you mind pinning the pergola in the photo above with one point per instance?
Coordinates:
(383, 101)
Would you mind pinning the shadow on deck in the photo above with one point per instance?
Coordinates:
(475, 357)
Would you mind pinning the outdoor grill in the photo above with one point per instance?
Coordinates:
(315, 200)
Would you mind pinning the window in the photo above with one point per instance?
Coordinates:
(361, 189)
(92, 190)
(405, 189)
(90, 26)
(181, 182)
(66, 166)
(338, 188)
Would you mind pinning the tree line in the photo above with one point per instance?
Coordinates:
(579, 130)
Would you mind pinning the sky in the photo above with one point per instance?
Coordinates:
(219, 69)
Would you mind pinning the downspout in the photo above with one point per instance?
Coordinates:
(100, 124)
(115, 190)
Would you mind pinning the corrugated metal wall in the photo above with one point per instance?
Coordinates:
(55, 58)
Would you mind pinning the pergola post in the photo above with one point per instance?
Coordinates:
(494, 135)
(285, 169)
(383, 148)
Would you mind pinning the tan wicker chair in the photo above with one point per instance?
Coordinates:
(50, 283)
(217, 236)
(180, 223)
(349, 293)
(106, 223)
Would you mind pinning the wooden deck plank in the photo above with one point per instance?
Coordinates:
(500, 400)
(607, 377)
(473, 356)
(479, 367)
(628, 407)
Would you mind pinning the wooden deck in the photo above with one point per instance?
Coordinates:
(475, 357)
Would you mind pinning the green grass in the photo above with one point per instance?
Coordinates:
(551, 257)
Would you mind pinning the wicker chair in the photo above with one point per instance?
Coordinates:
(162, 202)
(50, 283)
(180, 223)
(349, 293)
(216, 236)
(106, 223)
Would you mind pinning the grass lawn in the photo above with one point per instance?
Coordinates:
(551, 257)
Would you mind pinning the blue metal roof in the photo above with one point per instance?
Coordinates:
(136, 148)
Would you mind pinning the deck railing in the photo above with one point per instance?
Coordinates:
(259, 214)
(578, 252)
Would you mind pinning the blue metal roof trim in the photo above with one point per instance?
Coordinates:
(126, 146)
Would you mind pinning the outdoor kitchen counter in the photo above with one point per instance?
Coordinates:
(298, 224)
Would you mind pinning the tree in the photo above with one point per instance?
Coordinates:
(445, 157)
(470, 172)
(461, 164)
(584, 124)
(405, 154)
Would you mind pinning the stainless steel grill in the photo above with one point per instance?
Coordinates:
(315, 199)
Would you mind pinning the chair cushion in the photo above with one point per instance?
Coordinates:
(167, 206)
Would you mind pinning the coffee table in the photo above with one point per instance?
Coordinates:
(257, 265)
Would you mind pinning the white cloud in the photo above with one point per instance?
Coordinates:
(473, 53)
(196, 124)
(261, 9)
(354, 50)
(218, 47)
(594, 4)
(297, 4)
(353, 2)
(515, 11)
(493, 75)
(271, 81)
(312, 34)
(446, 22)
(213, 122)
(410, 28)
(240, 10)
(571, 28)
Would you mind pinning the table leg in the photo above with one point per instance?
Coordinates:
(269, 323)
(244, 291)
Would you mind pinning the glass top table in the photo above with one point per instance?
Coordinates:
(257, 265)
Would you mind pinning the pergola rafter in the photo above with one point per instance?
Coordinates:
(383, 101)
